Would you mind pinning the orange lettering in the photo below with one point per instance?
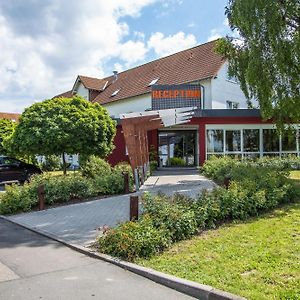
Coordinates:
(165, 94)
(155, 94)
(197, 93)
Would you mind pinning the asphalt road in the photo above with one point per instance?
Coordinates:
(35, 267)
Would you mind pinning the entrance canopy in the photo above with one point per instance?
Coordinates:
(136, 125)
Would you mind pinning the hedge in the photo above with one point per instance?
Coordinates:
(60, 189)
(254, 188)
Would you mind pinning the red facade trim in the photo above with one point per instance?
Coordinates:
(119, 153)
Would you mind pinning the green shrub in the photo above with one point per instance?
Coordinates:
(153, 166)
(95, 167)
(51, 163)
(18, 198)
(176, 161)
(178, 220)
(219, 168)
(131, 240)
(153, 153)
(124, 167)
(58, 189)
(255, 187)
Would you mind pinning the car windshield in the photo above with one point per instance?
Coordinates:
(9, 161)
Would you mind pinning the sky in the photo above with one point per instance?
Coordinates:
(45, 44)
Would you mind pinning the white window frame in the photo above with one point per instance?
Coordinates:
(242, 153)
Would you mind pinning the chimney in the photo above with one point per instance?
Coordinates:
(115, 76)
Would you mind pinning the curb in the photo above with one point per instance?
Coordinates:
(190, 288)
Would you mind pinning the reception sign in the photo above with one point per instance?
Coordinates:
(177, 96)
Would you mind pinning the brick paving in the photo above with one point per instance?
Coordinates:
(79, 223)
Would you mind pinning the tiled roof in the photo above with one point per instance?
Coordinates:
(198, 63)
(92, 83)
(190, 65)
(67, 94)
(10, 116)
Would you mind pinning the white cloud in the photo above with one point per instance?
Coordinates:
(226, 22)
(118, 67)
(220, 31)
(45, 44)
(132, 52)
(164, 45)
(214, 34)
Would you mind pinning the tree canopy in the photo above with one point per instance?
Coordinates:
(7, 128)
(266, 56)
(64, 125)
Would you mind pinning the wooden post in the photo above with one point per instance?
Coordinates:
(134, 208)
(41, 194)
(126, 182)
(227, 180)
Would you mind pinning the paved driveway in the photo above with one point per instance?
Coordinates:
(78, 223)
(35, 267)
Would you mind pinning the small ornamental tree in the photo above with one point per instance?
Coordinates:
(64, 125)
(266, 57)
(7, 128)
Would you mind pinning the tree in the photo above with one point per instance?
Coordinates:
(266, 57)
(64, 125)
(7, 128)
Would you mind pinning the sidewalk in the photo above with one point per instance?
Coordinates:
(78, 223)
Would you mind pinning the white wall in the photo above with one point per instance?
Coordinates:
(143, 102)
(207, 93)
(82, 91)
(224, 90)
(216, 92)
(134, 104)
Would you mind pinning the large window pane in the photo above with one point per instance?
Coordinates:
(288, 141)
(251, 140)
(270, 140)
(215, 140)
(233, 140)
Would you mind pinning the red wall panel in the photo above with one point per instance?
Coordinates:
(119, 153)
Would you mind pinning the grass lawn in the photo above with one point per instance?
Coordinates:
(59, 173)
(258, 259)
(295, 176)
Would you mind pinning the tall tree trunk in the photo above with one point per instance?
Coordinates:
(64, 163)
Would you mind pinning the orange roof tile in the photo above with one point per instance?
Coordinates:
(197, 63)
(92, 83)
(10, 116)
(67, 94)
(190, 65)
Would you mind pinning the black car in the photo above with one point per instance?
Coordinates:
(12, 169)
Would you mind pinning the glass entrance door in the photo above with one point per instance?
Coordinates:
(177, 148)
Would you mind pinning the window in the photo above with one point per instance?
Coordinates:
(270, 140)
(251, 140)
(215, 140)
(233, 140)
(232, 105)
(154, 81)
(115, 93)
(9, 161)
(289, 142)
(232, 78)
